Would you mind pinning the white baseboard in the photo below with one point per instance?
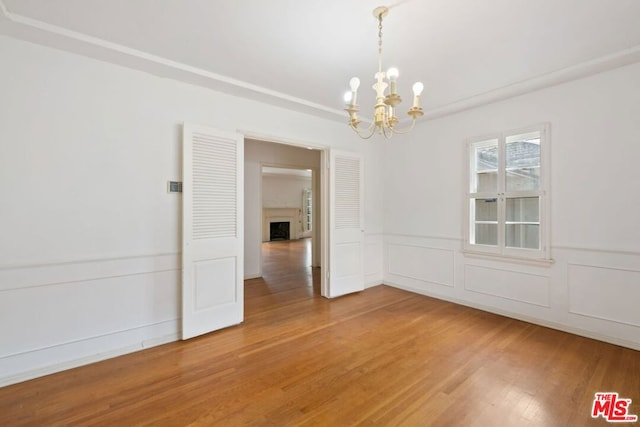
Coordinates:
(65, 355)
(372, 283)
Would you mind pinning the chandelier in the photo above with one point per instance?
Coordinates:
(384, 114)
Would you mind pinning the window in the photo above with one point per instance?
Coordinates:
(507, 194)
(306, 203)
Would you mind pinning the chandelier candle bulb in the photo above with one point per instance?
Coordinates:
(354, 83)
(392, 75)
(417, 91)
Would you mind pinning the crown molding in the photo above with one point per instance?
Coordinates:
(575, 72)
(33, 30)
(25, 28)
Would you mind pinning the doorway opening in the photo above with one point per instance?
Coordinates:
(288, 223)
(282, 222)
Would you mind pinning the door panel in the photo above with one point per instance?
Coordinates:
(212, 235)
(346, 227)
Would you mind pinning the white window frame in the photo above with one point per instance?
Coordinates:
(501, 195)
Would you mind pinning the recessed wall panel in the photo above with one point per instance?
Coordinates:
(605, 293)
(421, 263)
(512, 285)
(111, 305)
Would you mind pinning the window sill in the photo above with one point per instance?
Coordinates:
(541, 262)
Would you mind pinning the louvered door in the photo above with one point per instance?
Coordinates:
(212, 235)
(346, 228)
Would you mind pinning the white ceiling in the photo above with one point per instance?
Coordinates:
(301, 54)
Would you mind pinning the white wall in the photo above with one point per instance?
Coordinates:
(89, 239)
(594, 285)
(283, 191)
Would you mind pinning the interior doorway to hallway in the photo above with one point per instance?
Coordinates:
(282, 221)
(288, 201)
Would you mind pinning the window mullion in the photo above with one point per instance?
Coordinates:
(516, 194)
(501, 191)
(484, 195)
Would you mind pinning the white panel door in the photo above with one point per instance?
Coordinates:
(212, 232)
(346, 227)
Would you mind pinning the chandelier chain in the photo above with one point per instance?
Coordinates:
(380, 42)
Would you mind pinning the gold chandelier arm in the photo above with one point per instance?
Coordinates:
(387, 132)
(407, 130)
(371, 130)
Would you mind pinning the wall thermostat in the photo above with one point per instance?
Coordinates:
(174, 187)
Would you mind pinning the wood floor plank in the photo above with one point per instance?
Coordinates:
(380, 357)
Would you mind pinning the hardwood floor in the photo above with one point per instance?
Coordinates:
(380, 357)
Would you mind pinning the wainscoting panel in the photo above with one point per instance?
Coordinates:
(72, 313)
(512, 285)
(421, 263)
(605, 293)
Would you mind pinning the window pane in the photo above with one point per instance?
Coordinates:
(487, 182)
(523, 236)
(486, 209)
(523, 162)
(485, 167)
(485, 221)
(523, 209)
(487, 157)
(486, 234)
(522, 229)
(523, 179)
